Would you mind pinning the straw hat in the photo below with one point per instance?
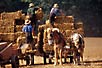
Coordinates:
(31, 5)
(55, 6)
(27, 21)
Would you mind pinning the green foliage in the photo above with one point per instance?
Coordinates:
(65, 5)
(88, 11)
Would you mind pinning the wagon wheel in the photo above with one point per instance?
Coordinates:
(65, 60)
(78, 58)
(27, 58)
(32, 59)
(15, 61)
(44, 57)
(50, 57)
(71, 59)
(50, 61)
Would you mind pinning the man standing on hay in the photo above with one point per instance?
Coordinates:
(32, 13)
(27, 29)
(55, 11)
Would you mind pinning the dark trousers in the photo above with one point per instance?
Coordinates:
(29, 37)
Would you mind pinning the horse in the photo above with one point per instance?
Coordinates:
(77, 42)
(59, 43)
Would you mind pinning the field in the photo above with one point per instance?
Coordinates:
(92, 57)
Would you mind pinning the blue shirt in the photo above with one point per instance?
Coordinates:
(27, 28)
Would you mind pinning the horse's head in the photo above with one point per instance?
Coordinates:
(49, 33)
(58, 37)
(55, 33)
(49, 36)
(52, 32)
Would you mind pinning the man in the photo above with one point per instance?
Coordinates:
(55, 11)
(32, 13)
(27, 29)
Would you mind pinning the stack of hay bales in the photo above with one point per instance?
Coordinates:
(64, 19)
(8, 29)
(18, 28)
(61, 18)
(66, 24)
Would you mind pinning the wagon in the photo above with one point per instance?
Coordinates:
(12, 53)
(8, 54)
(25, 51)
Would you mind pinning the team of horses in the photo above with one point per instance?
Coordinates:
(60, 44)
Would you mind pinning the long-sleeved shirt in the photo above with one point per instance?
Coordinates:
(27, 28)
(55, 11)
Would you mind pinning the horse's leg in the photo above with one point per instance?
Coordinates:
(60, 54)
(82, 58)
(74, 58)
(56, 55)
(75, 55)
(65, 57)
(81, 55)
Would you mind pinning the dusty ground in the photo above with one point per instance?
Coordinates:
(92, 57)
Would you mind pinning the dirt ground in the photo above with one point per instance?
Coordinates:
(92, 57)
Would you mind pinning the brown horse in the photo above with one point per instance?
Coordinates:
(59, 44)
(77, 42)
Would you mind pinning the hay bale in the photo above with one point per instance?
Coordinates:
(18, 28)
(68, 33)
(9, 22)
(7, 29)
(59, 19)
(64, 19)
(79, 25)
(11, 15)
(2, 29)
(10, 36)
(64, 26)
(7, 36)
(69, 19)
(1, 22)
